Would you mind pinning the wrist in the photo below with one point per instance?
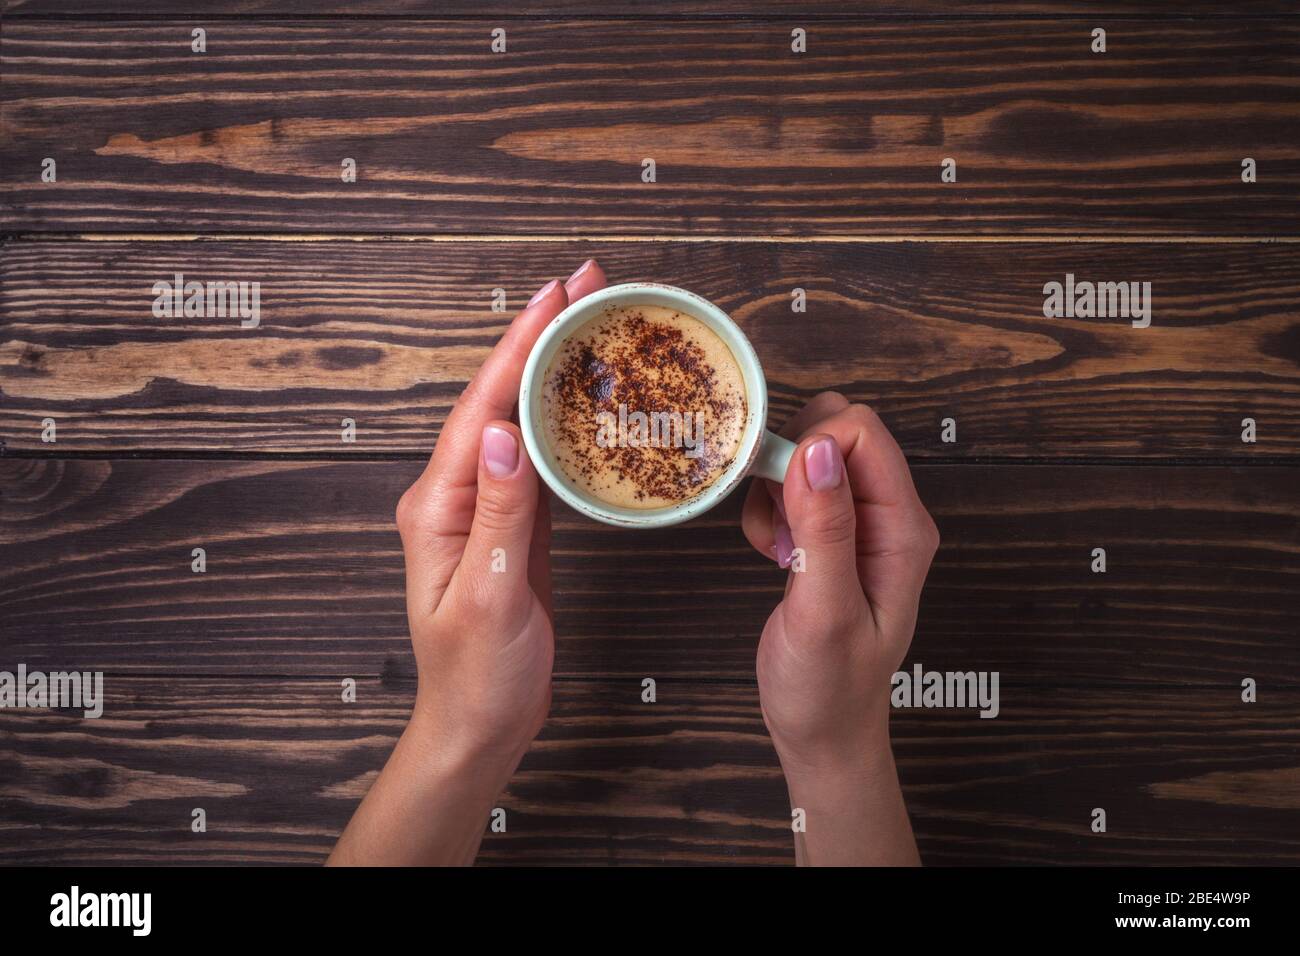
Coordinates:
(852, 810)
(860, 760)
(432, 801)
(441, 751)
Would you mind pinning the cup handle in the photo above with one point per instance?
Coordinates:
(773, 458)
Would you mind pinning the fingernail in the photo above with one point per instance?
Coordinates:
(500, 451)
(784, 541)
(823, 464)
(544, 291)
(581, 269)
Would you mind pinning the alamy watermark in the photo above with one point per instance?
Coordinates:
(651, 430)
(1106, 300)
(947, 689)
(75, 908)
(195, 300)
(68, 690)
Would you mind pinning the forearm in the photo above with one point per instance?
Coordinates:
(854, 814)
(428, 807)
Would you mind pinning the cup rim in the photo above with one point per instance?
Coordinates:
(587, 308)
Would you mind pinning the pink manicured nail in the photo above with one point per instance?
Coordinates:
(784, 540)
(544, 291)
(581, 269)
(500, 452)
(823, 464)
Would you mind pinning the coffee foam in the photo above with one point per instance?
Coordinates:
(667, 366)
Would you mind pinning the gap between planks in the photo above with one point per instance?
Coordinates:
(323, 457)
(616, 238)
(408, 682)
(587, 16)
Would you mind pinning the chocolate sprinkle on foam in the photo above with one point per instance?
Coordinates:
(652, 360)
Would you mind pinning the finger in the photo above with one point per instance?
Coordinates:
(896, 537)
(758, 518)
(818, 504)
(436, 512)
(822, 405)
(494, 390)
(763, 521)
(494, 567)
(588, 278)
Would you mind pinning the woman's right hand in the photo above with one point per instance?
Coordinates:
(849, 519)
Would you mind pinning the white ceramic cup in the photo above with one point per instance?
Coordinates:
(761, 452)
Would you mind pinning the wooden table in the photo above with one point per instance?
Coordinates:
(775, 170)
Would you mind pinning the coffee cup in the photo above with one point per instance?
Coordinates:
(758, 451)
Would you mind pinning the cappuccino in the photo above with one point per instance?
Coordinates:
(644, 407)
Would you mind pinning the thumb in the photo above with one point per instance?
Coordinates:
(818, 505)
(495, 560)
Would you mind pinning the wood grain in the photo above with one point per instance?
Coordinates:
(749, 138)
(716, 9)
(819, 172)
(388, 334)
(1186, 776)
(304, 575)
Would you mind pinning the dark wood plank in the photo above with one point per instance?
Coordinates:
(304, 575)
(1186, 777)
(614, 8)
(388, 334)
(749, 138)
